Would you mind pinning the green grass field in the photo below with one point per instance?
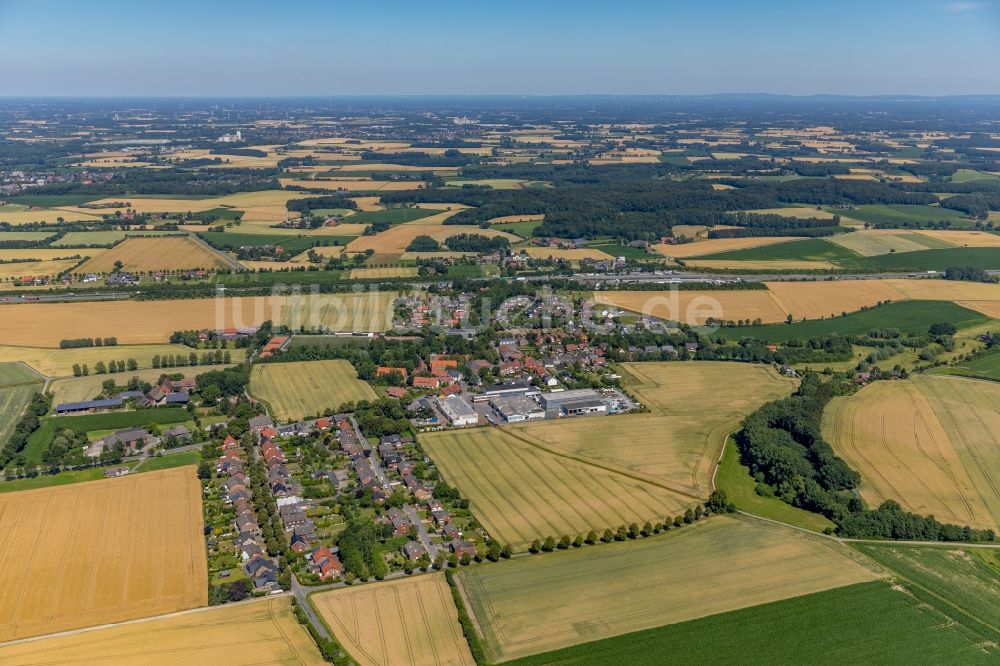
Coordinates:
(986, 366)
(986, 258)
(90, 238)
(281, 277)
(618, 250)
(389, 216)
(17, 384)
(170, 460)
(33, 236)
(306, 388)
(110, 421)
(227, 240)
(734, 478)
(907, 316)
(532, 605)
(809, 249)
(522, 229)
(891, 215)
(965, 582)
(867, 623)
(51, 200)
(970, 176)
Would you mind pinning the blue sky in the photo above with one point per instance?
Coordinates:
(248, 48)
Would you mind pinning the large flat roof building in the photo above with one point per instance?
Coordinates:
(458, 411)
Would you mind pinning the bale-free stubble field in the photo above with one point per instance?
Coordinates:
(101, 552)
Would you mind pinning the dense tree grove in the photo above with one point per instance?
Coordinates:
(638, 202)
(783, 446)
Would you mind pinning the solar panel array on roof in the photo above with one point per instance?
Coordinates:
(88, 404)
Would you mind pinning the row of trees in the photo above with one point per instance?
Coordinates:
(102, 368)
(783, 446)
(74, 343)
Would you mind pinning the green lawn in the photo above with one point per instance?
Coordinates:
(619, 250)
(32, 236)
(280, 277)
(228, 240)
(522, 229)
(867, 623)
(966, 580)
(970, 176)
(986, 366)
(389, 216)
(907, 316)
(734, 478)
(169, 460)
(898, 214)
(52, 200)
(986, 258)
(50, 480)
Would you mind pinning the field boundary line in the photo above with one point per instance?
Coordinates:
(98, 627)
(593, 463)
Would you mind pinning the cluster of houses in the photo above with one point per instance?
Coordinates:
(433, 310)
(298, 526)
(406, 521)
(259, 568)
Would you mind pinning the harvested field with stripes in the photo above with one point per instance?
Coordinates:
(383, 273)
(296, 390)
(101, 552)
(535, 604)
(930, 443)
(695, 307)
(256, 632)
(166, 253)
(569, 255)
(150, 322)
(408, 621)
(17, 384)
(59, 362)
(521, 491)
(395, 240)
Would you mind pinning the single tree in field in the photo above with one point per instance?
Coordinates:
(607, 536)
(535, 546)
(591, 537)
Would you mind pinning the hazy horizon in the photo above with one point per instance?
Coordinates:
(54, 48)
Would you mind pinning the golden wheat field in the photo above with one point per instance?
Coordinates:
(100, 552)
(143, 255)
(695, 307)
(152, 322)
(505, 219)
(49, 268)
(716, 245)
(812, 300)
(383, 273)
(930, 443)
(762, 265)
(395, 240)
(263, 631)
(409, 621)
(520, 489)
(54, 362)
(575, 254)
(532, 605)
(354, 185)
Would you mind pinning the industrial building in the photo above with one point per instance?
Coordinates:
(508, 389)
(517, 408)
(458, 411)
(578, 402)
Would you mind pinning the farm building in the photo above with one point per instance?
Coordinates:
(88, 405)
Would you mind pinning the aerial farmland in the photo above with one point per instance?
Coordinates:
(531, 380)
